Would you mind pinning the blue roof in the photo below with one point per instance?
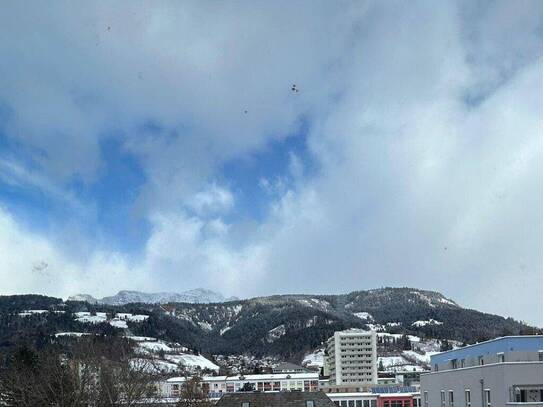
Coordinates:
(504, 344)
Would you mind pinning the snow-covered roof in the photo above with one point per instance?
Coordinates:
(255, 377)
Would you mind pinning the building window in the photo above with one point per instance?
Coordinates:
(442, 398)
(540, 353)
(501, 358)
(454, 364)
(463, 363)
(436, 368)
(245, 404)
(309, 403)
(488, 402)
(519, 395)
(425, 399)
(468, 398)
(451, 398)
(481, 361)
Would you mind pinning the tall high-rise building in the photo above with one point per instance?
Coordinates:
(352, 357)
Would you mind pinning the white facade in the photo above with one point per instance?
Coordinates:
(352, 357)
(502, 372)
(215, 386)
(365, 399)
(497, 384)
(359, 399)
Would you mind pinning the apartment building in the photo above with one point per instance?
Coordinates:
(506, 371)
(352, 358)
(216, 386)
(379, 397)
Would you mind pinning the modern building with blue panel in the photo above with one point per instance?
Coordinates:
(505, 371)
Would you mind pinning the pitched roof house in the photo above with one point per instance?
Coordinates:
(287, 367)
(278, 399)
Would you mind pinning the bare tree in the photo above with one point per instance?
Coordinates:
(193, 394)
(91, 372)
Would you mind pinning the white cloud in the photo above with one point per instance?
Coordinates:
(212, 199)
(31, 263)
(424, 124)
(15, 174)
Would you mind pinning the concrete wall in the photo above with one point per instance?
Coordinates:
(489, 358)
(498, 378)
(491, 348)
(363, 367)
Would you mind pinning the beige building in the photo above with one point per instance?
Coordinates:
(352, 358)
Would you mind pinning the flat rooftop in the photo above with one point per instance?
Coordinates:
(254, 377)
(491, 347)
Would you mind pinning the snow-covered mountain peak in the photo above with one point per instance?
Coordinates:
(196, 296)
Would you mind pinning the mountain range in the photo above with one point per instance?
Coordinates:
(288, 326)
(196, 296)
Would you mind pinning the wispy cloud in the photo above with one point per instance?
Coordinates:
(15, 174)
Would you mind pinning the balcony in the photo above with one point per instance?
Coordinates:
(526, 395)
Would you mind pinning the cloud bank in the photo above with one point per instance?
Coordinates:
(411, 156)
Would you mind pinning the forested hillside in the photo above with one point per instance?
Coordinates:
(284, 325)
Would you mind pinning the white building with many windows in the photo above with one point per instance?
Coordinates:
(215, 386)
(352, 358)
(501, 372)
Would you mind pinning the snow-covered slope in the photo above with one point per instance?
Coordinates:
(315, 358)
(170, 357)
(197, 296)
(398, 364)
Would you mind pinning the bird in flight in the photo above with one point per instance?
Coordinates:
(294, 88)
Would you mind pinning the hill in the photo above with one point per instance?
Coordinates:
(284, 325)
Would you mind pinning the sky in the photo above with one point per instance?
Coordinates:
(159, 146)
